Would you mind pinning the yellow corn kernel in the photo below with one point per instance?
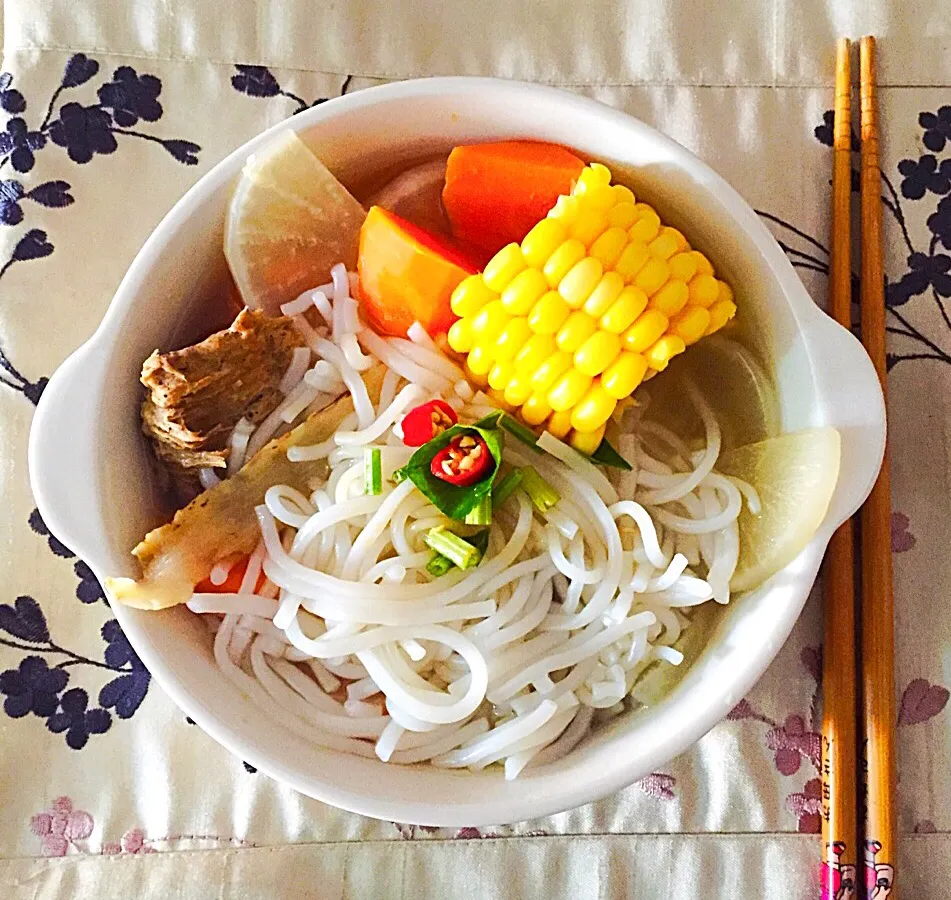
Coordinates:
(725, 292)
(663, 351)
(518, 390)
(671, 298)
(480, 360)
(623, 194)
(720, 313)
(632, 260)
(606, 292)
(548, 314)
(536, 409)
(565, 210)
(652, 276)
(512, 338)
(593, 410)
(647, 226)
(704, 290)
(624, 374)
(703, 264)
(650, 325)
(578, 284)
(593, 175)
(568, 390)
(597, 352)
(650, 374)
(489, 322)
(499, 399)
(631, 302)
(586, 442)
(664, 246)
(599, 197)
(503, 267)
(682, 266)
(500, 375)
(559, 423)
(679, 239)
(579, 327)
(470, 295)
(561, 262)
(624, 215)
(691, 324)
(543, 240)
(553, 367)
(522, 291)
(589, 225)
(534, 352)
(460, 336)
(607, 248)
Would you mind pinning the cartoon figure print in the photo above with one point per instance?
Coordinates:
(839, 879)
(879, 876)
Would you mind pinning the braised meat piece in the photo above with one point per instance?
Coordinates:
(196, 395)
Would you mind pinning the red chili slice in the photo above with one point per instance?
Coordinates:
(465, 460)
(423, 423)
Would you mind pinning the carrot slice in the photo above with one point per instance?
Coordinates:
(407, 275)
(495, 193)
(232, 583)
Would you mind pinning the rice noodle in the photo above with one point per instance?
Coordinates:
(505, 662)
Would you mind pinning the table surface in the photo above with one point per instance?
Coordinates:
(112, 111)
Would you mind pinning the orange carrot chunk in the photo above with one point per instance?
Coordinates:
(406, 275)
(495, 193)
(231, 584)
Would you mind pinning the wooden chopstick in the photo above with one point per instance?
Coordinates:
(839, 747)
(877, 607)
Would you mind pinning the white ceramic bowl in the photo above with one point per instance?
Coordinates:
(89, 470)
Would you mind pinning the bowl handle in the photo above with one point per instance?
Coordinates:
(852, 400)
(62, 451)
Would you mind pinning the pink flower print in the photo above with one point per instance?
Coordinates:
(133, 841)
(792, 743)
(921, 701)
(807, 807)
(742, 710)
(658, 785)
(902, 539)
(61, 826)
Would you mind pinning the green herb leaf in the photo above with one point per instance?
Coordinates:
(517, 429)
(452, 500)
(606, 455)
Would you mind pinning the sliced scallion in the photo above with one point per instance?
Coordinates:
(542, 494)
(481, 513)
(503, 490)
(518, 430)
(458, 551)
(372, 471)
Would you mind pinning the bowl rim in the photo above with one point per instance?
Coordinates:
(808, 317)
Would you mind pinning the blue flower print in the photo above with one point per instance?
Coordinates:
(923, 175)
(84, 131)
(131, 97)
(20, 143)
(924, 271)
(939, 222)
(76, 720)
(255, 81)
(32, 687)
(11, 100)
(937, 128)
(11, 193)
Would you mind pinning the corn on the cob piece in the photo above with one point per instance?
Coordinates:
(598, 298)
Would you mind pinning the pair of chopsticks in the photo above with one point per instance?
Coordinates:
(842, 741)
